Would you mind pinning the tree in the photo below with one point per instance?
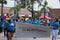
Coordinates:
(45, 7)
(30, 6)
(2, 2)
(18, 6)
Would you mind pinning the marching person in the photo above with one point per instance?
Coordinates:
(1, 23)
(10, 29)
(54, 25)
(35, 21)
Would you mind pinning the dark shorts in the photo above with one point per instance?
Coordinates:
(9, 33)
(0, 29)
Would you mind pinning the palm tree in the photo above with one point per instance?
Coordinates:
(2, 2)
(45, 7)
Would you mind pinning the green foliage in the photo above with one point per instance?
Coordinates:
(18, 6)
(45, 6)
(32, 0)
(4, 1)
(46, 3)
(36, 15)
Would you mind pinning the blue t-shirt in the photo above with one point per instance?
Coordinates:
(36, 22)
(1, 24)
(10, 27)
(59, 21)
(54, 25)
(13, 21)
(40, 21)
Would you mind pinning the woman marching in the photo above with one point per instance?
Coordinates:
(10, 29)
(1, 23)
(55, 25)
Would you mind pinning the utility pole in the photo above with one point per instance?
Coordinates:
(2, 7)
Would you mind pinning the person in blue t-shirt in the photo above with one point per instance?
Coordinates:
(10, 29)
(1, 23)
(54, 25)
(40, 21)
(59, 20)
(35, 21)
(14, 22)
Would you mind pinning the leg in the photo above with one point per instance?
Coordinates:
(53, 34)
(9, 35)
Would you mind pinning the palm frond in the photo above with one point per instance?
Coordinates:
(18, 6)
(46, 3)
(39, 3)
(50, 9)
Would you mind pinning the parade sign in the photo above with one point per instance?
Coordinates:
(43, 30)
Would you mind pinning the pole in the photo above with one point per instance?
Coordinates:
(2, 8)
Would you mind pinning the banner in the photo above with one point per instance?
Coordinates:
(42, 30)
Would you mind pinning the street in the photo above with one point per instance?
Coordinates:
(29, 35)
